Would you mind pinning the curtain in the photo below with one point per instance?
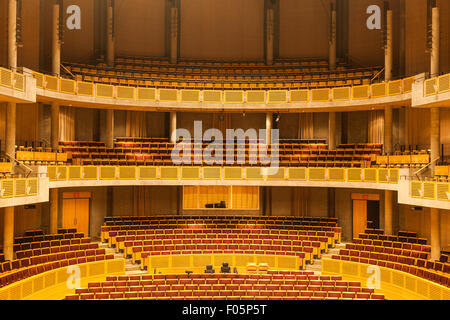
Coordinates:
(136, 125)
(376, 126)
(300, 201)
(141, 201)
(66, 123)
(305, 126)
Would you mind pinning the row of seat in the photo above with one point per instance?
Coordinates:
(417, 270)
(55, 249)
(234, 286)
(24, 271)
(202, 219)
(393, 244)
(48, 237)
(393, 238)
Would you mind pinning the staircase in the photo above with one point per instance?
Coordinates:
(130, 268)
(316, 267)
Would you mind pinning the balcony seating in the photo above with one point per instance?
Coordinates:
(221, 75)
(152, 152)
(283, 285)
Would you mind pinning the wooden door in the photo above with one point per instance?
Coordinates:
(76, 214)
(359, 217)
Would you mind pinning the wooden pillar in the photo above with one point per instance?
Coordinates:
(12, 30)
(332, 44)
(109, 128)
(55, 125)
(435, 235)
(173, 127)
(8, 233)
(53, 211)
(388, 52)
(174, 35)
(110, 46)
(388, 129)
(269, 120)
(332, 131)
(270, 34)
(435, 135)
(56, 43)
(388, 212)
(435, 47)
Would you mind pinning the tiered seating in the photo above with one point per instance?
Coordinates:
(369, 234)
(400, 255)
(5, 168)
(158, 152)
(40, 156)
(221, 75)
(273, 285)
(40, 253)
(140, 238)
(407, 159)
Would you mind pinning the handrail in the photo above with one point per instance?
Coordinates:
(68, 71)
(424, 167)
(21, 164)
(377, 75)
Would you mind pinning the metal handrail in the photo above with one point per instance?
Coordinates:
(424, 167)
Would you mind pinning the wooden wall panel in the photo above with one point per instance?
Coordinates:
(28, 54)
(445, 129)
(359, 217)
(418, 127)
(417, 60)
(3, 32)
(304, 28)
(27, 129)
(366, 46)
(140, 27)
(444, 7)
(2, 126)
(27, 219)
(222, 29)
(78, 45)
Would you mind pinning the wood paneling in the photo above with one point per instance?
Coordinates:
(140, 27)
(304, 28)
(417, 60)
(359, 217)
(78, 45)
(76, 211)
(28, 54)
(222, 29)
(235, 197)
(27, 128)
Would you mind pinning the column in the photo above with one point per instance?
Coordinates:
(388, 212)
(388, 129)
(173, 35)
(269, 119)
(173, 127)
(53, 211)
(12, 30)
(435, 135)
(388, 49)
(55, 125)
(332, 131)
(435, 235)
(332, 52)
(269, 36)
(56, 43)
(10, 145)
(110, 52)
(109, 128)
(8, 233)
(435, 31)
